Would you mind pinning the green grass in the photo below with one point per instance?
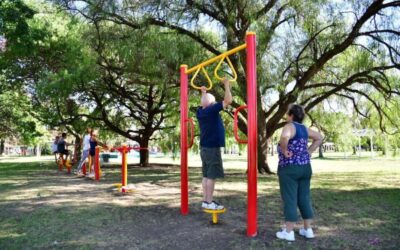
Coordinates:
(357, 206)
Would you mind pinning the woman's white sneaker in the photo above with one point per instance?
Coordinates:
(307, 233)
(284, 235)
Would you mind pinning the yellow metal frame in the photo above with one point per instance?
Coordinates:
(196, 69)
(214, 214)
(214, 59)
(90, 164)
(118, 185)
(101, 149)
(210, 84)
(230, 66)
(68, 163)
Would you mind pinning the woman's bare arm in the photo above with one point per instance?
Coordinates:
(288, 132)
(316, 138)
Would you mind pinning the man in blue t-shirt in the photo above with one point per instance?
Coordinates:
(62, 146)
(212, 138)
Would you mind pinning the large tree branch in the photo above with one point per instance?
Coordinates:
(372, 10)
(205, 9)
(180, 30)
(360, 77)
(266, 8)
(355, 105)
(109, 123)
(378, 108)
(150, 20)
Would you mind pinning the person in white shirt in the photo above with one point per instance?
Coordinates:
(54, 147)
(85, 150)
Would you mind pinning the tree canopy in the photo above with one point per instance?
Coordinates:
(116, 63)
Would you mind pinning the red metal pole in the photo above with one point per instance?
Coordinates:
(97, 164)
(124, 166)
(184, 142)
(84, 168)
(251, 75)
(64, 161)
(60, 163)
(235, 125)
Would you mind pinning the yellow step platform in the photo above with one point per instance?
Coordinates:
(214, 214)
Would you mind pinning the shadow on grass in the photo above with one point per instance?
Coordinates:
(85, 214)
(162, 227)
(235, 159)
(348, 158)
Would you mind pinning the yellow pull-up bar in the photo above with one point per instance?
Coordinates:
(221, 58)
(210, 84)
(214, 59)
(230, 66)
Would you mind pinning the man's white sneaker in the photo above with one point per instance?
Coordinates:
(284, 235)
(309, 234)
(204, 204)
(214, 206)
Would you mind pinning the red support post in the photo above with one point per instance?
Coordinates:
(64, 161)
(235, 125)
(60, 162)
(184, 142)
(124, 166)
(97, 164)
(84, 168)
(251, 75)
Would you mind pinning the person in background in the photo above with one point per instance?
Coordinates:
(85, 150)
(294, 171)
(62, 146)
(54, 147)
(94, 142)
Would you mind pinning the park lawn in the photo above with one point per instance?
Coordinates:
(356, 201)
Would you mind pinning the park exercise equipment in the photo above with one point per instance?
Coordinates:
(223, 57)
(124, 150)
(86, 169)
(61, 162)
(214, 214)
(95, 161)
(250, 47)
(235, 125)
(97, 169)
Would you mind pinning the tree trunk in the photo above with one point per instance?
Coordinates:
(321, 151)
(144, 153)
(2, 141)
(272, 146)
(38, 151)
(262, 141)
(77, 149)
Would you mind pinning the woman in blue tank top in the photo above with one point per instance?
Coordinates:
(294, 171)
